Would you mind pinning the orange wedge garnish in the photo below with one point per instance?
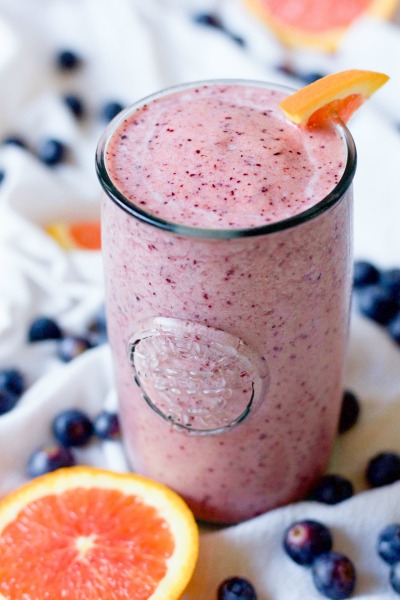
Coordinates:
(82, 235)
(82, 532)
(316, 24)
(332, 98)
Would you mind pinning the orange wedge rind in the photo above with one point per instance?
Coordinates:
(84, 532)
(81, 235)
(332, 98)
(315, 24)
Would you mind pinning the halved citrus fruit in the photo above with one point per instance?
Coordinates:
(82, 235)
(83, 533)
(332, 98)
(317, 24)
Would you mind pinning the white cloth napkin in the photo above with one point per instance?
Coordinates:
(131, 48)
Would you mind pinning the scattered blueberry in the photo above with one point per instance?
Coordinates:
(236, 588)
(68, 60)
(72, 346)
(97, 328)
(390, 279)
(212, 20)
(52, 152)
(208, 19)
(383, 469)
(14, 140)
(349, 412)
(388, 544)
(309, 77)
(286, 69)
(7, 401)
(49, 458)
(304, 540)
(332, 489)
(75, 104)
(106, 426)
(238, 39)
(393, 328)
(42, 329)
(334, 575)
(2, 175)
(12, 381)
(377, 303)
(111, 110)
(72, 427)
(365, 273)
(394, 577)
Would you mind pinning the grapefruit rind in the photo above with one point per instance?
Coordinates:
(169, 506)
(327, 40)
(352, 84)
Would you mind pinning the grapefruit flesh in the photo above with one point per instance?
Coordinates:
(318, 24)
(86, 534)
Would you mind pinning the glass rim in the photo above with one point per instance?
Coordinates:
(332, 198)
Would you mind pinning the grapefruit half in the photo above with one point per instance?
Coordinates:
(316, 24)
(83, 533)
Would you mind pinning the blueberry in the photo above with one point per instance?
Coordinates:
(49, 458)
(42, 329)
(304, 540)
(383, 469)
(394, 577)
(332, 489)
(15, 140)
(68, 60)
(236, 588)
(97, 328)
(75, 104)
(365, 273)
(238, 39)
(7, 401)
(2, 175)
(309, 77)
(111, 110)
(377, 303)
(390, 279)
(334, 575)
(349, 412)
(52, 152)
(388, 544)
(393, 328)
(106, 426)
(208, 19)
(12, 381)
(72, 346)
(286, 69)
(72, 427)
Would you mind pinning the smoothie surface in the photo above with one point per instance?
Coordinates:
(222, 157)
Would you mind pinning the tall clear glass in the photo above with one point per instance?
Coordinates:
(228, 345)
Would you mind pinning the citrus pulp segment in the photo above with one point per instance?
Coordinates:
(84, 533)
(334, 97)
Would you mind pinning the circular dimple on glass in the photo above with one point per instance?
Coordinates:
(199, 379)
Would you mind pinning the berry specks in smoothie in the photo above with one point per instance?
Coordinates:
(235, 161)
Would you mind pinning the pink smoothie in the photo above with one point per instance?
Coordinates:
(227, 253)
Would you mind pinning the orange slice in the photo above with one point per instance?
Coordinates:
(83, 533)
(332, 98)
(317, 24)
(82, 235)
